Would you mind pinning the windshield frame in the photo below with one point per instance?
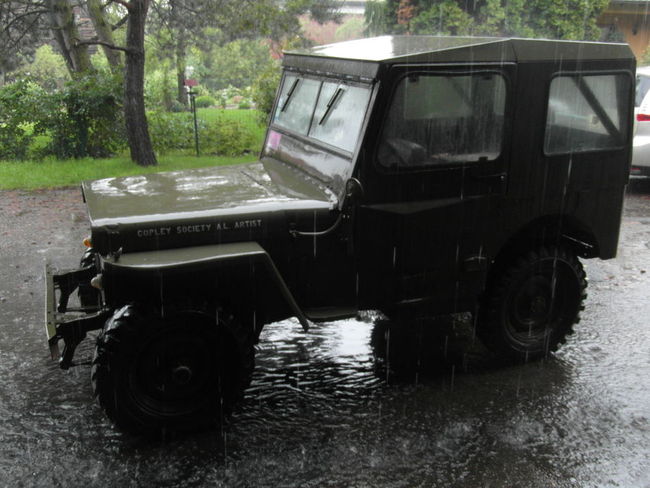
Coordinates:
(340, 81)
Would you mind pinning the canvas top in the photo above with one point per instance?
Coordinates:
(372, 52)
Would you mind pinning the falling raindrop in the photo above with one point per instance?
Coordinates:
(453, 377)
(387, 335)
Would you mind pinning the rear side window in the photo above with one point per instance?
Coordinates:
(444, 118)
(586, 113)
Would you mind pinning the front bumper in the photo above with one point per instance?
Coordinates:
(64, 323)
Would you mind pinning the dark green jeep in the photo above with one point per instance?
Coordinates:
(410, 175)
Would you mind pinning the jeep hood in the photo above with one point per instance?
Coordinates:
(201, 206)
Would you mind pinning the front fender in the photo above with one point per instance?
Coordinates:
(201, 264)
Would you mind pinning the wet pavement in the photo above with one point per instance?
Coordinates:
(338, 406)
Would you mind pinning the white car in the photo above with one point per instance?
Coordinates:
(641, 144)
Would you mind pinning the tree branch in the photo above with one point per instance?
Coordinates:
(105, 44)
(23, 34)
(120, 23)
(20, 17)
(124, 4)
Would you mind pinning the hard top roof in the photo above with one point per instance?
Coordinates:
(372, 52)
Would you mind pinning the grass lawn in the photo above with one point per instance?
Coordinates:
(31, 175)
(50, 173)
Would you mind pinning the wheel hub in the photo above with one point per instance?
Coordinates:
(539, 307)
(533, 305)
(182, 375)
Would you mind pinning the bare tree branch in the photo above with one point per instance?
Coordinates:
(120, 23)
(18, 18)
(105, 44)
(23, 34)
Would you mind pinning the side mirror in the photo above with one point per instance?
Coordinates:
(353, 191)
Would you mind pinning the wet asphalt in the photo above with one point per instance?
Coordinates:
(340, 406)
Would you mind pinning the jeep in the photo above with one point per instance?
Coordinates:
(415, 176)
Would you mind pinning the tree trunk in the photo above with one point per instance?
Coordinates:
(181, 93)
(104, 34)
(136, 120)
(179, 51)
(66, 35)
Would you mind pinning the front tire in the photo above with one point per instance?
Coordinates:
(531, 307)
(160, 376)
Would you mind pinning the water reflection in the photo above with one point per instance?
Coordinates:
(322, 410)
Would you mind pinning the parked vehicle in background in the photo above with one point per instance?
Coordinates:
(641, 144)
(411, 175)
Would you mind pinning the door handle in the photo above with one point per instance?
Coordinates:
(490, 177)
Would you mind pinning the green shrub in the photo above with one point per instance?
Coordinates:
(220, 136)
(85, 118)
(20, 103)
(245, 104)
(225, 137)
(205, 101)
(177, 107)
(228, 95)
(264, 89)
(170, 131)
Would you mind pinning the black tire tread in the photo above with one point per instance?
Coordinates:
(118, 334)
(489, 319)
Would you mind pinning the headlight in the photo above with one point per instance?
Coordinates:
(96, 282)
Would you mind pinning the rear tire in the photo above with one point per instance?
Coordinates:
(531, 307)
(160, 376)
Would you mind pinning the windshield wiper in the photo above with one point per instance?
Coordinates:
(290, 94)
(330, 104)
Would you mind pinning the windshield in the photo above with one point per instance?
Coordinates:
(329, 111)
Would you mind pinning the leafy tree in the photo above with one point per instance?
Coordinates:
(61, 19)
(236, 63)
(22, 25)
(557, 19)
(351, 28)
(48, 69)
(446, 17)
(264, 90)
(177, 25)
(160, 87)
(137, 130)
(377, 18)
(405, 13)
(66, 34)
(99, 16)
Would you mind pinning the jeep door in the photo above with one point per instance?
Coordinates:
(315, 133)
(432, 185)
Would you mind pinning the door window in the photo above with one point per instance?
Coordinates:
(440, 119)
